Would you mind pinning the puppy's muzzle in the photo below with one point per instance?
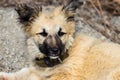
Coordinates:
(52, 47)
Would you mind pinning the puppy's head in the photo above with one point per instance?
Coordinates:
(52, 29)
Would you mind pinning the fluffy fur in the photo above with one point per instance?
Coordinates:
(89, 58)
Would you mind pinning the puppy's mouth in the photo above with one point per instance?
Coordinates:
(56, 58)
(53, 57)
(50, 60)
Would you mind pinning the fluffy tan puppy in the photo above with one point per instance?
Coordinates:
(62, 54)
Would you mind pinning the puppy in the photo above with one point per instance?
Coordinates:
(64, 55)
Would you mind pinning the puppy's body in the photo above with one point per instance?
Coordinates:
(89, 59)
(63, 55)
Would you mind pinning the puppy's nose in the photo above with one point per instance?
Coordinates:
(54, 50)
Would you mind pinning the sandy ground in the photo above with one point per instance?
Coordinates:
(13, 47)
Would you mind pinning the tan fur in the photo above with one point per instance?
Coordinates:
(89, 58)
(52, 21)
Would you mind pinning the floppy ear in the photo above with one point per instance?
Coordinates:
(70, 7)
(26, 13)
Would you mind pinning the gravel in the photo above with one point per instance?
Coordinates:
(13, 50)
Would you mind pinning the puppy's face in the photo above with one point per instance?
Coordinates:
(51, 32)
(52, 29)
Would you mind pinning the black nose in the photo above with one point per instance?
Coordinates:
(54, 50)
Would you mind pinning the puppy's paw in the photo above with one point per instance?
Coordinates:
(3, 76)
(6, 76)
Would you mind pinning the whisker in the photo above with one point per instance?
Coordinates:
(60, 60)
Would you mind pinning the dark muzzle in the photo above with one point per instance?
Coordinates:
(52, 46)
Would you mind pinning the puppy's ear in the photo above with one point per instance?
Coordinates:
(70, 7)
(26, 13)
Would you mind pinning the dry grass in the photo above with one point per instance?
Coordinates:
(100, 12)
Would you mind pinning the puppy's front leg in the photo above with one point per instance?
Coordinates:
(24, 74)
(7, 76)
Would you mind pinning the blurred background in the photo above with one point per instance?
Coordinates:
(97, 18)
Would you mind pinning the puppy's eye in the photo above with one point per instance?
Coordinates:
(44, 33)
(71, 18)
(60, 33)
